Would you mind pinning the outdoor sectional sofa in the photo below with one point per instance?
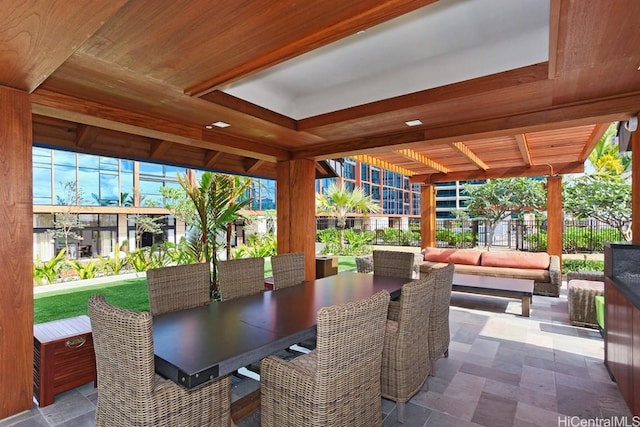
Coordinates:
(543, 268)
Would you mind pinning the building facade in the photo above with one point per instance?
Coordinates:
(103, 195)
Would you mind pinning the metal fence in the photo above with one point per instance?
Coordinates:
(579, 236)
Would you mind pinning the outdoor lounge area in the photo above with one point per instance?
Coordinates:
(497, 89)
(502, 370)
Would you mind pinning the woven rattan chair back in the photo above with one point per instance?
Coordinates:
(288, 269)
(240, 277)
(396, 264)
(405, 358)
(364, 264)
(337, 384)
(439, 334)
(178, 287)
(129, 392)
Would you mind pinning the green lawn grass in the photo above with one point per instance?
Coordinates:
(130, 293)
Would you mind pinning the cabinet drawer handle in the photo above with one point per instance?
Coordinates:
(75, 342)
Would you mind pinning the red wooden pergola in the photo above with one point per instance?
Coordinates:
(144, 79)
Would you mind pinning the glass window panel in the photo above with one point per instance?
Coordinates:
(42, 220)
(171, 172)
(65, 158)
(88, 161)
(109, 194)
(64, 175)
(88, 219)
(126, 165)
(151, 169)
(126, 189)
(108, 220)
(375, 175)
(89, 186)
(42, 184)
(364, 172)
(108, 164)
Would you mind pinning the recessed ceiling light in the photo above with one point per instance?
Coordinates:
(218, 125)
(413, 123)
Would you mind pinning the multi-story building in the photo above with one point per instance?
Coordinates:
(106, 194)
(397, 197)
(111, 192)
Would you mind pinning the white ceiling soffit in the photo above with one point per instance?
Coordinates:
(446, 42)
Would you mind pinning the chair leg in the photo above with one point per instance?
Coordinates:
(400, 407)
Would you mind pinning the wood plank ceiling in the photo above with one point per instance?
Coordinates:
(142, 79)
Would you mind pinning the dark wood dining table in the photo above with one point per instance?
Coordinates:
(197, 345)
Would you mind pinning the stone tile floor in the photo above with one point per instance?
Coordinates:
(502, 370)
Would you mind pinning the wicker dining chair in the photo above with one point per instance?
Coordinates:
(337, 384)
(396, 264)
(178, 287)
(288, 269)
(405, 358)
(129, 391)
(439, 333)
(364, 264)
(240, 277)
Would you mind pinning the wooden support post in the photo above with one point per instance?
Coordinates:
(554, 216)
(16, 252)
(296, 211)
(428, 215)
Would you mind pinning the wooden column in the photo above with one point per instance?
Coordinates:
(554, 216)
(16, 253)
(296, 211)
(635, 186)
(428, 215)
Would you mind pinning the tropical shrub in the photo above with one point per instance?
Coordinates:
(85, 270)
(455, 238)
(579, 264)
(47, 272)
(536, 242)
(258, 246)
(359, 242)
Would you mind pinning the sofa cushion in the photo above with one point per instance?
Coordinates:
(456, 256)
(537, 260)
(539, 275)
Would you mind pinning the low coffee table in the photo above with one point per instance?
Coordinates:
(497, 287)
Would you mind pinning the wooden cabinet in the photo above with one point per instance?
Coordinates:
(326, 266)
(622, 344)
(63, 357)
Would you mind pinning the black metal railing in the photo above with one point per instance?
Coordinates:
(579, 236)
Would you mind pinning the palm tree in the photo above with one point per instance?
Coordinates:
(338, 202)
(215, 204)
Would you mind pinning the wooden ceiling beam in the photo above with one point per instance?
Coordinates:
(466, 151)
(253, 165)
(211, 157)
(229, 101)
(378, 12)
(537, 170)
(523, 146)
(85, 134)
(384, 165)
(357, 146)
(595, 136)
(461, 90)
(158, 148)
(421, 158)
(65, 107)
(558, 117)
